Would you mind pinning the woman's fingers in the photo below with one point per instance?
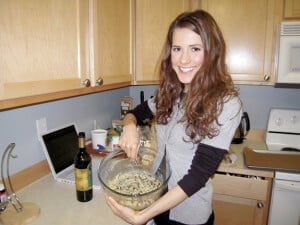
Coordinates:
(131, 150)
(129, 141)
(125, 213)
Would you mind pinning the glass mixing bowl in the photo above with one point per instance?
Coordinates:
(134, 184)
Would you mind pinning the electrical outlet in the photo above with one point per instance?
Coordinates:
(41, 126)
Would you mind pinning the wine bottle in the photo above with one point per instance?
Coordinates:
(83, 172)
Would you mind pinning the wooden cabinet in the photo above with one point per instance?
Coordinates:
(43, 46)
(241, 199)
(53, 46)
(112, 40)
(291, 9)
(249, 29)
(153, 18)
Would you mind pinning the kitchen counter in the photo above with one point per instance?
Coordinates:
(238, 166)
(58, 203)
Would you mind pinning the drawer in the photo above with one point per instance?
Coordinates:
(243, 187)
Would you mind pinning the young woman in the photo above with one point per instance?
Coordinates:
(196, 111)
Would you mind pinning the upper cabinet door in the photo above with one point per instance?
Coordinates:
(153, 18)
(249, 29)
(291, 9)
(111, 40)
(43, 46)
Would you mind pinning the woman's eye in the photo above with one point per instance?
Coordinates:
(175, 49)
(196, 49)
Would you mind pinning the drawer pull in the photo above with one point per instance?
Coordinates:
(266, 77)
(86, 83)
(99, 81)
(260, 205)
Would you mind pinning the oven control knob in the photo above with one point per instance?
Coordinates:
(279, 121)
(294, 119)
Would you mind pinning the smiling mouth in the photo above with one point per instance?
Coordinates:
(186, 69)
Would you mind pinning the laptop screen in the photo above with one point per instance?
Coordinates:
(62, 146)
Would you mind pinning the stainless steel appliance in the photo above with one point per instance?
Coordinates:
(283, 135)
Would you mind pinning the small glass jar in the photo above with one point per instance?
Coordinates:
(3, 197)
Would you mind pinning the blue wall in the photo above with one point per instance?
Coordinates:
(19, 125)
(257, 100)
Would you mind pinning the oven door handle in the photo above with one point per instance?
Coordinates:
(288, 185)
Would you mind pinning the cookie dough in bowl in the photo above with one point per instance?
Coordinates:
(133, 184)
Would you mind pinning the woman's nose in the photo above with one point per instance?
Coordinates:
(185, 57)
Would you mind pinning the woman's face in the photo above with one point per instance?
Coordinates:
(187, 54)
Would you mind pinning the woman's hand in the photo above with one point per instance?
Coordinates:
(127, 214)
(169, 200)
(129, 140)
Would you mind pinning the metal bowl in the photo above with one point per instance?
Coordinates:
(149, 183)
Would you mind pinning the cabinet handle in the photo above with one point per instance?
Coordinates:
(86, 83)
(266, 77)
(260, 205)
(99, 81)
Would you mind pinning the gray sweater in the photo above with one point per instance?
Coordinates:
(192, 164)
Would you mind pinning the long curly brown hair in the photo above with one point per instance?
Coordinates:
(209, 89)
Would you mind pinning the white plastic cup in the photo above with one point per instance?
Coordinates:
(99, 139)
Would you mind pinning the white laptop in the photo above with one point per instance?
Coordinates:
(60, 146)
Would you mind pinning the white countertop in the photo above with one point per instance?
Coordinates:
(58, 205)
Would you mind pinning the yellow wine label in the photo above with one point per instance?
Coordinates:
(81, 142)
(83, 178)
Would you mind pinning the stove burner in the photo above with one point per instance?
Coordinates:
(290, 149)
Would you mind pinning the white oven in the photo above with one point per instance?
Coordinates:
(283, 134)
(287, 63)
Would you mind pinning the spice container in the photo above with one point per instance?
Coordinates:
(115, 143)
(113, 137)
